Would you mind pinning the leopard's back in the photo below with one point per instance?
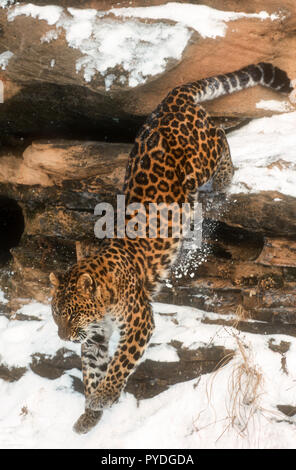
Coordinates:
(179, 149)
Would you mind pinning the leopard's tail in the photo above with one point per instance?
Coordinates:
(260, 74)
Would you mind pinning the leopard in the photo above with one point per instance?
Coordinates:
(178, 150)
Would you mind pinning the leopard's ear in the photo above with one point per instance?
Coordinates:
(85, 283)
(54, 279)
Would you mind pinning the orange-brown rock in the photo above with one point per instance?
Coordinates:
(70, 160)
(278, 252)
(247, 41)
(57, 98)
(14, 170)
(256, 212)
(33, 260)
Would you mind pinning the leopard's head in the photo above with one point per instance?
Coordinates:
(78, 300)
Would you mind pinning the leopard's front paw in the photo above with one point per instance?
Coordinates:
(102, 398)
(87, 421)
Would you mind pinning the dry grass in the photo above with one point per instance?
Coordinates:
(245, 388)
(245, 384)
(241, 314)
(24, 411)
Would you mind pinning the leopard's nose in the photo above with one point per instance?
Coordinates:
(64, 331)
(63, 334)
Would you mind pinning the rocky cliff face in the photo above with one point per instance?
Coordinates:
(68, 120)
(52, 71)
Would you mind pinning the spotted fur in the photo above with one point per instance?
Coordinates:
(175, 153)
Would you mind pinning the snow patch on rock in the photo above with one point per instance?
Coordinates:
(5, 58)
(139, 49)
(208, 22)
(264, 157)
(274, 105)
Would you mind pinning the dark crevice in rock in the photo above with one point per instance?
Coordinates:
(256, 327)
(233, 242)
(11, 227)
(65, 111)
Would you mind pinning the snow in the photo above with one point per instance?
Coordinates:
(264, 155)
(3, 300)
(208, 22)
(39, 413)
(5, 58)
(6, 3)
(292, 96)
(20, 339)
(50, 36)
(49, 13)
(274, 105)
(140, 48)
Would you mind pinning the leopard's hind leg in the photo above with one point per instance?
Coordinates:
(223, 175)
(224, 170)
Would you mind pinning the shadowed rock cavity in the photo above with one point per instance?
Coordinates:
(11, 227)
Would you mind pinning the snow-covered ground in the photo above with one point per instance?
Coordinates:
(229, 408)
(264, 155)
